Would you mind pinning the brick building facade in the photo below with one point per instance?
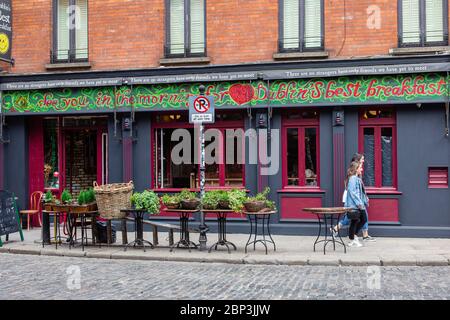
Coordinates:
(383, 64)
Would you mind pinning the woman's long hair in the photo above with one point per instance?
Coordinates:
(351, 171)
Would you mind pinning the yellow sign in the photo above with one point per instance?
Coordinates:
(4, 43)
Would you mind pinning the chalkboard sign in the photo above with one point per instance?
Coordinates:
(9, 217)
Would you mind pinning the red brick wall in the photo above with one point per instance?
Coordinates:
(130, 34)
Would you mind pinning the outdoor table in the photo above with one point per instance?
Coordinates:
(138, 215)
(184, 228)
(222, 231)
(72, 212)
(46, 227)
(323, 214)
(263, 218)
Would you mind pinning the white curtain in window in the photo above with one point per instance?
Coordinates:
(410, 21)
(434, 19)
(81, 31)
(63, 43)
(176, 26)
(197, 26)
(290, 24)
(313, 23)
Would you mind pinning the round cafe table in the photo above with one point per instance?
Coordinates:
(333, 215)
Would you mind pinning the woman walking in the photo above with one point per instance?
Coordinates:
(357, 200)
(358, 157)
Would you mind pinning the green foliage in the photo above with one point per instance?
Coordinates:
(211, 199)
(66, 197)
(147, 200)
(90, 195)
(262, 196)
(48, 197)
(236, 198)
(185, 194)
(86, 196)
(170, 199)
(82, 198)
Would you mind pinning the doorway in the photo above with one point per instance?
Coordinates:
(75, 153)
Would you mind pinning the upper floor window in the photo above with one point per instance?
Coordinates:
(185, 28)
(70, 31)
(301, 25)
(423, 23)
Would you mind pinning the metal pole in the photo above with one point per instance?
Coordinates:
(203, 228)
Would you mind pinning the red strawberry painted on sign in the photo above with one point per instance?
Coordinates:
(241, 93)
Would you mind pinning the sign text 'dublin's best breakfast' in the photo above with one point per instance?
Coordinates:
(343, 90)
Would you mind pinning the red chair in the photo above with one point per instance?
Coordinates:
(35, 208)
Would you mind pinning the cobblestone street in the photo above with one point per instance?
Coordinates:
(45, 277)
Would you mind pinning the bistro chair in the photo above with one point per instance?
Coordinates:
(35, 202)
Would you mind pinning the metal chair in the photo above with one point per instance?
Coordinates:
(35, 202)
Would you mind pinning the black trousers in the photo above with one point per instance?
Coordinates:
(357, 224)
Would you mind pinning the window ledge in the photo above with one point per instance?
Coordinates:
(418, 50)
(301, 190)
(72, 65)
(300, 55)
(179, 61)
(370, 190)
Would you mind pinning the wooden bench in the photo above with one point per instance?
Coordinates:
(155, 225)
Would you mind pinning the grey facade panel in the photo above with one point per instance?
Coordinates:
(421, 143)
(115, 159)
(16, 160)
(141, 152)
(326, 156)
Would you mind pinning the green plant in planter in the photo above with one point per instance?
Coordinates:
(185, 194)
(90, 195)
(262, 198)
(66, 197)
(211, 200)
(236, 198)
(82, 198)
(48, 197)
(147, 200)
(170, 199)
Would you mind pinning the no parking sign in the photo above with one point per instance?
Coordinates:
(201, 109)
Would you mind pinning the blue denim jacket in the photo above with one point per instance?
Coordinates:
(356, 195)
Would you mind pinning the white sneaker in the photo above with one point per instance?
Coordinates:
(354, 243)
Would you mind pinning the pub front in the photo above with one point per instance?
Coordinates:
(67, 131)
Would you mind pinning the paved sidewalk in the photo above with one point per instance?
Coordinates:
(290, 250)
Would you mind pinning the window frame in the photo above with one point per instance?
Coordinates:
(187, 31)
(300, 124)
(377, 124)
(71, 57)
(221, 125)
(301, 25)
(422, 26)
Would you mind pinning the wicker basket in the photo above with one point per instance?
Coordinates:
(111, 198)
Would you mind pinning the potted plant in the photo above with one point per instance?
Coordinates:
(189, 200)
(171, 201)
(146, 200)
(66, 197)
(86, 201)
(48, 200)
(259, 202)
(236, 199)
(211, 200)
(224, 201)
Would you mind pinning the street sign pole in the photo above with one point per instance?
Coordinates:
(203, 227)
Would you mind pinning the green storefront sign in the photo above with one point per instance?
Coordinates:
(431, 87)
